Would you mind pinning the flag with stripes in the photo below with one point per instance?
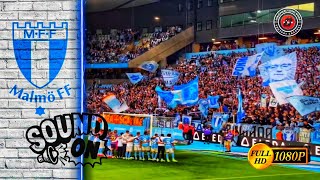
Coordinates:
(305, 104)
(115, 104)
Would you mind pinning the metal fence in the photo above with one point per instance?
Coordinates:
(163, 122)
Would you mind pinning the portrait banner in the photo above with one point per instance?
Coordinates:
(271, 51)
(279, 69)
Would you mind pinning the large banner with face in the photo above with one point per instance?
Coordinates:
(271, 51)
(279, 69)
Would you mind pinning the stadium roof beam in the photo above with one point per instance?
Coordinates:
(121, 5)
(96, 6)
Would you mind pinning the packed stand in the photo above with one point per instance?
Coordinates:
(110, 48)
(121, 48)
(231, 45)
(215, 79)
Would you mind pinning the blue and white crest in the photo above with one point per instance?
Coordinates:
(217, 122)
(213, 101)
(40, 44)
(135, 77)
(150, 66)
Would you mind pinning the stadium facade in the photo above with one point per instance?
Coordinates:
(213, 19)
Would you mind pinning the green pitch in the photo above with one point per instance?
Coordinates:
(191, 166)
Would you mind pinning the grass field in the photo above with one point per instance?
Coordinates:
(192, 165)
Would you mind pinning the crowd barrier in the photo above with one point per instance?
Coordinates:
(107, 65)
(160, 125)
(250, 134)
(247, 134)
(198, 54)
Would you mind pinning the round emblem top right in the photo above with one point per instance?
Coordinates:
(287, 22)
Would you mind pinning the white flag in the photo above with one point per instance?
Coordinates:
(284, 89)
(263, 100)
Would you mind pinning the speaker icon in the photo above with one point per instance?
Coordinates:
(49, 156)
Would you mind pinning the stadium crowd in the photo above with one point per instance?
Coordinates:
(215, 79)
(117, 48)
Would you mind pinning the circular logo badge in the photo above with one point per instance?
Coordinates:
(260, 156)
(287, 22)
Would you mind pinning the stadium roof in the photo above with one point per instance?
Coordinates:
(107, 5)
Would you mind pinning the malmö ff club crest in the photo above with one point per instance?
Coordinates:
(41, 45)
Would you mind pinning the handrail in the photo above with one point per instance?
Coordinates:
(156, 53)
(189, 55)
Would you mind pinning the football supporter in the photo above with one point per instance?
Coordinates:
(235, 135)
(215, 78)
(114, 143)
(180, 126)
(185, 131)
(227, 140)
(279, 135)
(121, 46)
(207, 133)
(191, 132)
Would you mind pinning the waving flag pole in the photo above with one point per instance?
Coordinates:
(233, 121)
(159, 101)
(240, 113)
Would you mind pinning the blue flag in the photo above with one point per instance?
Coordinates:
(305, 104)
(169, 97)
(213, 101)
(246, 66)
(289, 135)
(271, 51)
(204, 107)
(225, 117)
(240, 113)
(150, 66)
(315, 134)
(182, 86)
(279, 69)
(115, 104)
(134, 77)
(186, 119)
(170, 77)
(176, 120)
(217, 121)
(189, 92)
(186, 94)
